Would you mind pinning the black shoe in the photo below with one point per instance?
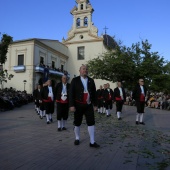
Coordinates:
(64, 128)
(142, 123)
(41, 117)
(119, 118)
(95, 145)
(107, 115)
(48, 122)
(137, 122)
(59, 129)
(76, 142)
(51, 120)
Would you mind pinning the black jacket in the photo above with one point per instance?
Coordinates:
(106, 94)
(137, 92)
(39, 94)
(77, 90)
(117, 93)
(35, 93)
(45, 91)
(99, 93)
(58, 90)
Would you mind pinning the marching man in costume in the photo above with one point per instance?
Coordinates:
(61, 93)
(120, 98)
(42, 109)
(35, 95)
(139, 94)
(108, 99)
(99, 99)
(47, 96)
(82, 101)
(39, 101)
(103, 99)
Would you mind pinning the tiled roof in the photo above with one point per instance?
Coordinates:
(109, 41)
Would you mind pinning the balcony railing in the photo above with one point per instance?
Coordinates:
(40, 69)
(19, 69)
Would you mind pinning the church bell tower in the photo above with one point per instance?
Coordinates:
(82, 21)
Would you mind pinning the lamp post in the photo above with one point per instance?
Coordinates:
(24, 83)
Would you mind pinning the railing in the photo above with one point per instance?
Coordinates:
(19, 69)
(39, 69)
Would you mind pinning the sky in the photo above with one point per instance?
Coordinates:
(128, 20)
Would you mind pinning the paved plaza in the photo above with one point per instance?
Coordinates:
(27, 142)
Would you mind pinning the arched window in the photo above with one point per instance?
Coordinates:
(85, 21)
(81, 6)
(78, 22)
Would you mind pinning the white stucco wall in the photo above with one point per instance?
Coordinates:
(25, 48)
(32, 52)
(92, 50)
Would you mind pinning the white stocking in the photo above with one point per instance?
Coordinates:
(41, 113)
(64, 123)
(50, 116)
(59, 123)
(91, 134)
(77, 132)
(141, 117)
(44, 113)
(118, 115)
(47, 117)
(137, 117)
(107, 112)
(101, 110)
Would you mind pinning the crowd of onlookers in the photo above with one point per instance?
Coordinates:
(11, 98)
(53, 68)
(153, 100)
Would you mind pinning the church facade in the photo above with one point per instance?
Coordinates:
(30, 60)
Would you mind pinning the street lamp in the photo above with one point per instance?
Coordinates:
(24, 83)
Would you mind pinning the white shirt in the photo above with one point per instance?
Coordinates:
(64, 90)
(50, 93)
(84, 82)
(142, 90)
(121, 92)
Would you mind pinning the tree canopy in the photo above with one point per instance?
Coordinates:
(4, 43)
(128, 64)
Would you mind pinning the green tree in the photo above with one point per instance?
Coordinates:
(4, 43)
(148, 65)
(4, 76)
(113, 65)
(129, 64)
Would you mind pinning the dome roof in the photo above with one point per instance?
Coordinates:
(109, 41)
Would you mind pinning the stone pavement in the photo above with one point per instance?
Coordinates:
(27, 142)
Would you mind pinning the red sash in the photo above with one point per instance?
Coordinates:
(48, 99)
(142, 97)
(118, 98)
(109, 97)
(62, 101)
(85, 95)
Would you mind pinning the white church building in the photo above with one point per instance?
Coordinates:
(30, 60)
